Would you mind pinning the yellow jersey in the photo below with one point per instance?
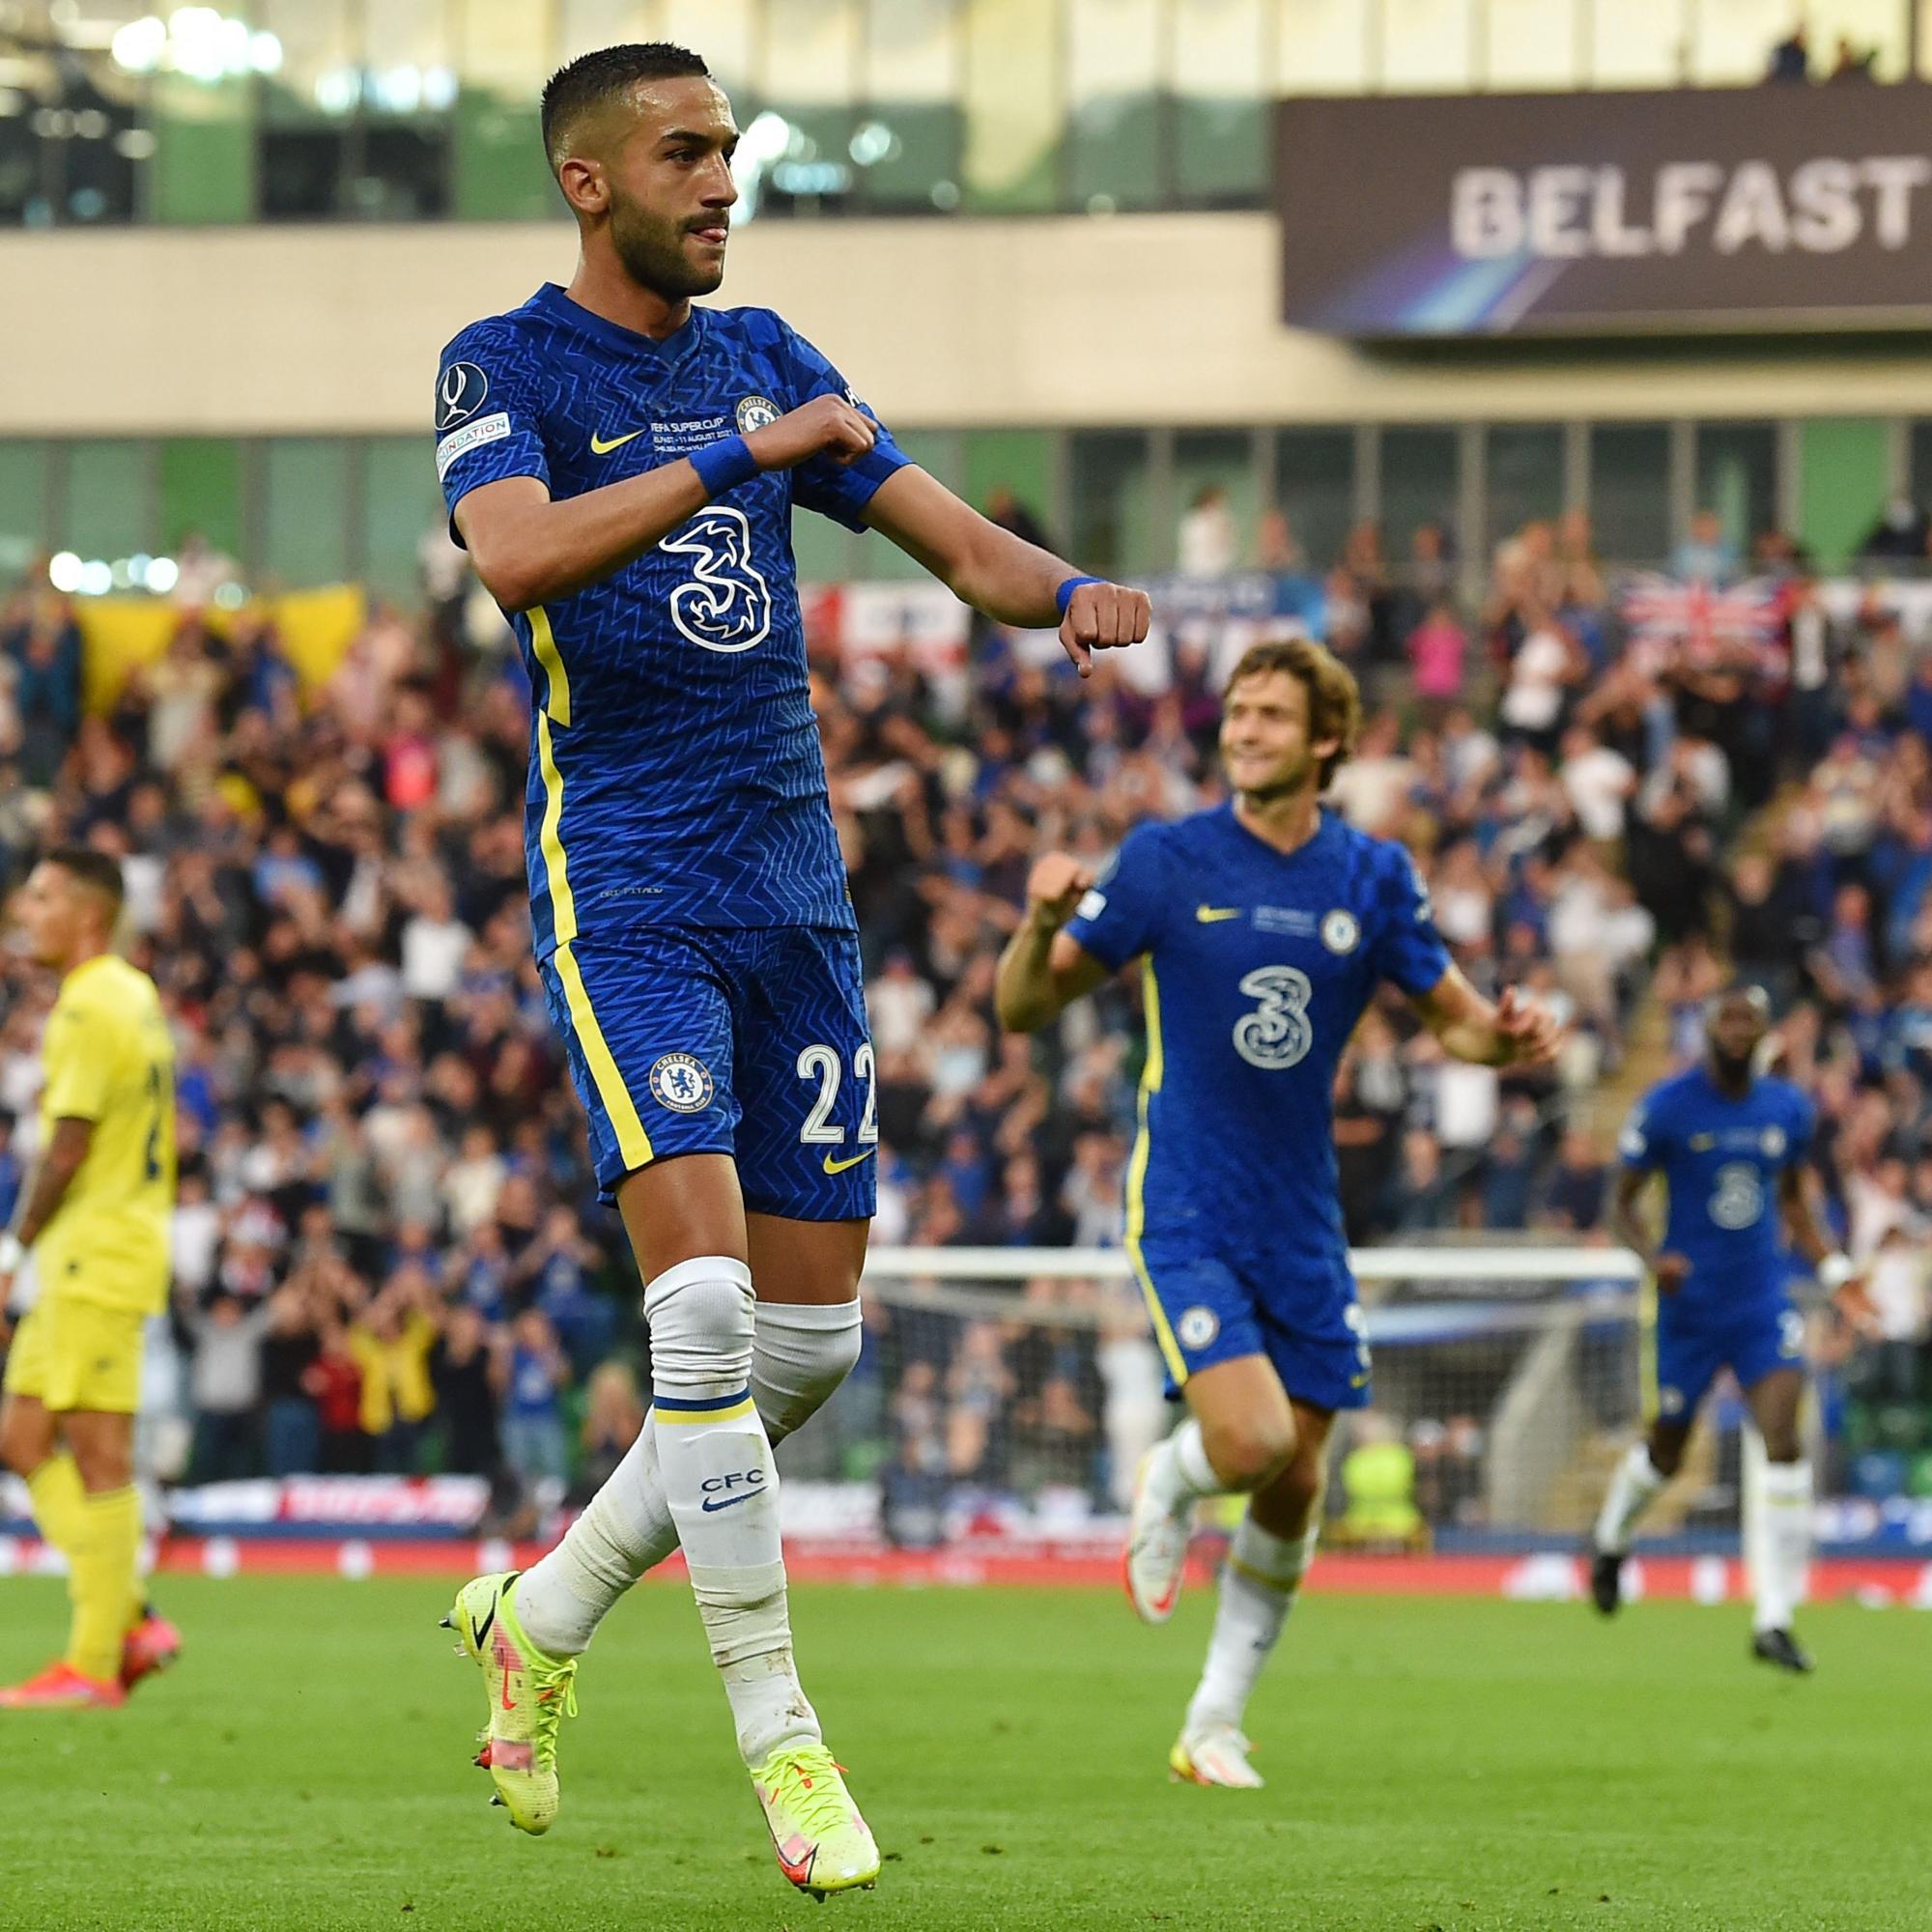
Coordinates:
(108, 1058)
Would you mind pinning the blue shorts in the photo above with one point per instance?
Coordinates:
(747, 1041)
(1208, 1310)
(1687, 1351)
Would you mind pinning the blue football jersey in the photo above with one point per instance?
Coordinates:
(675, 769)
(1256, 966)
(1720, 1159)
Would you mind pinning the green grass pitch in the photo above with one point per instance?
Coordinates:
(1452, 1764)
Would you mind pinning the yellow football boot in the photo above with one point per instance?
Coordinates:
(822, 1843)
(528, 1693)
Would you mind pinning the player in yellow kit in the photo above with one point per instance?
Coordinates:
(94, 1217)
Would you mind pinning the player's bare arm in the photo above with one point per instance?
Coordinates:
(531, 549)
(1042, 969)
(1000, 575)
(59, 1162)
(1798, 1192)
(1633, 1230)
(1513, 1030)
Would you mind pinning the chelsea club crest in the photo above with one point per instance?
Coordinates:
(1341, 931)
(755, 413)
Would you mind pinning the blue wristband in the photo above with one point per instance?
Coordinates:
(1064, 596)
(723, 466)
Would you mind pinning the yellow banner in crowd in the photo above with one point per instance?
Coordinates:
(119, 634)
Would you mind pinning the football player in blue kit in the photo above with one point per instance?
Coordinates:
(624, 468)
(1264, 927)
(1733, 1148)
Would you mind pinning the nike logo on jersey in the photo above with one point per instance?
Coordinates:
(1214, 915)
(840, 1166)
(599, 447)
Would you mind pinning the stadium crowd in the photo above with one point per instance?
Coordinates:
(388, 1253)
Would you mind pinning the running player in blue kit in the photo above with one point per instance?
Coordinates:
(1264, 927)
(1733, 1148)
(624, 468)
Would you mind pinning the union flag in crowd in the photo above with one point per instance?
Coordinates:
(1697, 623)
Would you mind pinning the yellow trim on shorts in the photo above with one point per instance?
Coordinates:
(1137, 1167)
(633, 1141)
(556, 680)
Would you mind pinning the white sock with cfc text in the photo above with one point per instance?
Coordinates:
(722, 1484)
(1258, 1587)
(801, 1355)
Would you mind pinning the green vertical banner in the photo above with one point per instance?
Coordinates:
(200, 490)
(204, 163)
(501, 174)
(1843, 469)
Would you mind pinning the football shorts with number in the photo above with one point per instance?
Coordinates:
(1722, 1158)
(1256, 966)
(1761, 1334)
(750, 1042)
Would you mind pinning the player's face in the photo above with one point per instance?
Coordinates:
(1736, 1028)
(672, 189)
(50, 910)
(1264, 744)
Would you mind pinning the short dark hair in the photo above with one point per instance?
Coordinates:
(1334, 699)
(99, 872)
(593, 81)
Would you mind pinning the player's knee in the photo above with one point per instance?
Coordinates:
(803, 1353)
(1252, 1453)
(104, 1466)
(1666, 1457)
(700, 1315)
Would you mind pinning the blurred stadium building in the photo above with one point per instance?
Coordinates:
(1564, 365)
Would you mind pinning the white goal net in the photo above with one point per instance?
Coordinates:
(1016, 1389)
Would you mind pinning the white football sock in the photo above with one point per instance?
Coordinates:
(1258, 1587)
(723, 1488)
(1632, 1489)
(1784, 1544)
(801, 1355)
(1179, 1472)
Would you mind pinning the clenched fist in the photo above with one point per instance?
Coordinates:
(1057, 884)
(1102, 617)
(826, 426)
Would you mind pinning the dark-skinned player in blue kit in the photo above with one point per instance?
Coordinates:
(624, 468)
(1264, 927)
(1733, 1148)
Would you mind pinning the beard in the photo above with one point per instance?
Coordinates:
(651, 249)
(1735, 1068)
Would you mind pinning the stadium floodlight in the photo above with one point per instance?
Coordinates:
(138, 46)
(63, 571)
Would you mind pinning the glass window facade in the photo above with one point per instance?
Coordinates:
(1630, 491)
